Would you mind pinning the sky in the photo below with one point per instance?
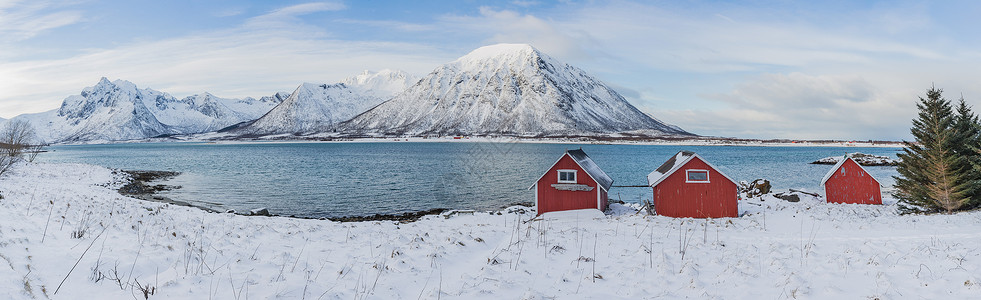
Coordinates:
(746, 69)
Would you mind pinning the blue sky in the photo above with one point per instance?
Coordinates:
(752, 69)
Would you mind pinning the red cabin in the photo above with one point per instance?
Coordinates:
(573, 182)
(687, 186)
(848, 182)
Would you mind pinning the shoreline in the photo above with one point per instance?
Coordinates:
(500, 140)
(142, 187)
(526, 140)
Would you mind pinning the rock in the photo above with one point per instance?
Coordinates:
(230, 211)
(861, 158)
(260, 212)
(403, 217)
(789, 197)
(756, 188)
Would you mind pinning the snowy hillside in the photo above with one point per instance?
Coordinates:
(508, 89)
(315, 108)
(67, 234)
(119, 110)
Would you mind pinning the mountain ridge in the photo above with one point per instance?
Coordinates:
(511, 89)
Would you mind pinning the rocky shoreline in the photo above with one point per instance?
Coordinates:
(860, 158)
(141, 186)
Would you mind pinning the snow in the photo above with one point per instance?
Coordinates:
(508, 89)
(776, 249)
(680, 159)
(495, 52)
(572, 215)
(316, 108)
(119, 110)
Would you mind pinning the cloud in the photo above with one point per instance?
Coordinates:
(801, 106)
(788, 69)
(288, 16)
(797, 91)
(20, 20)
(230, 12)
(526, 3)
(237, 62)
(506, 26)
(391, 25)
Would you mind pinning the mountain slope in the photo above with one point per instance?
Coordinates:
(508, 89)
(313, 108)
(119, 110)
(205, 112)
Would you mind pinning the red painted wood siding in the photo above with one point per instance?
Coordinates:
(850, 184)
(674, 197)
(550, 199)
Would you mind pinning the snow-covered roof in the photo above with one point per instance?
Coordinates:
(841, 163)
(674, 164)
(591, 168)
(587, 165)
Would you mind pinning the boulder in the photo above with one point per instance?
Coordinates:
(789, 197)
(260, 212)
(756, 188)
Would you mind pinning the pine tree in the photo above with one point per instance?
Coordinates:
(968, 129)
(932, 174)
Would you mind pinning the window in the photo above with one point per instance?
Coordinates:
(697, 175)
(567, 176)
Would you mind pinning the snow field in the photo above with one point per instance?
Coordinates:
(66, 221)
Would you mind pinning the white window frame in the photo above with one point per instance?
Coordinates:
(575, 176)
(707, 179)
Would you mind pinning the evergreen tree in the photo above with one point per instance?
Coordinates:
(968, 130)
(932, 174)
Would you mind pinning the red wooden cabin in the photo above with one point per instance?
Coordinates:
(687, 186)
(848, 182)
(573, 182)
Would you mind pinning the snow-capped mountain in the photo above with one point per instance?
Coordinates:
(205, 112)
(315, 108)
(508, 89)
(119, 110)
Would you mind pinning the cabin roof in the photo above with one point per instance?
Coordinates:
(587, 164)
(840, 163)
(674, 164)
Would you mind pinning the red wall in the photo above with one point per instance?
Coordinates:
(854, 186)
(550, 199)
(674, 197)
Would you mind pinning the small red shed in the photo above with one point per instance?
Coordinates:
(687, 186)
(848, 182)
(573, 182)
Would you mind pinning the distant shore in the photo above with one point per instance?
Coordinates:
(595, 140)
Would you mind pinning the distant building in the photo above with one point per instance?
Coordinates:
(573, 182)
(687, 186)
(848, 182)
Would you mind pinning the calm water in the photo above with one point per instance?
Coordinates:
(345, 179)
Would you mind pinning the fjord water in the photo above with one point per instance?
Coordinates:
(354, 179)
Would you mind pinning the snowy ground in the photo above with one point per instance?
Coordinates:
(64, 225)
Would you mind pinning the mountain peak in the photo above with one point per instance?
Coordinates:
(500, 51)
